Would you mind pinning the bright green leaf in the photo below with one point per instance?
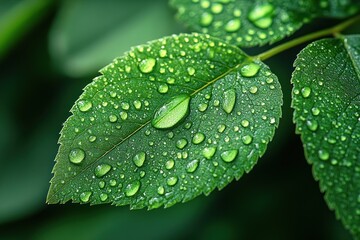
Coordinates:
(250, 23)
(215, 137)
(326, 99)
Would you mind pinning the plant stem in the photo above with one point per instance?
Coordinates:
(297, 41)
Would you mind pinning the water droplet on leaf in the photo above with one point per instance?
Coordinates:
(192, 166)
(233, 25)
(76, 155)
(147, 65)
(209, 152)
(85, 196)
(229, 100)
(139, 159)
(250, 70)
(181, 143)
(229, 156)
(171, 181)
(172, 112)
(261, 15)
(102, 169)
(132, 188)
(198, 138)
(324, 155)
(84, 105)
(305, 92)
(247, 139)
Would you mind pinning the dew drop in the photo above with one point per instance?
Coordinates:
(163, 88)
(113, 118)
(229, 100)
(202, 107)
(171, 181)
(229, 156)
(305, 92)
(216, 8)
(132, 188)
(323, 155)
(125, 105)
(84, 105)
(208, 152)
(245, 123)
(198, 138)
(103, 197)
(312, 125)
(123, 115)
(92, 138)
(76, 155)
(206, 19)
(172, 112)
(315, 111)
(250, 70)
(161, 190)
(147, 65)
(102, 169)
(181, 143)
(139, 159)
(101, 184)
(192, 166)
(253, 89)
(191, 71)
(261, 15)
(169, 164)
(221, 128)
(137, 104)
(247, 139)
(112, 182)
(85, 196)
(233, 25)
(162, 53)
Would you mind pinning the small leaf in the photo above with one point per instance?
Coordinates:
(251, 23)
(160, 128)
(327, 115)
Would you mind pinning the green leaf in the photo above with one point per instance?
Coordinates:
(118, 122)
(80, 50)
(327, 114)
(251, 23)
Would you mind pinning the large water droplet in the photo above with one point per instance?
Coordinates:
(84, 105)
(191, 71)
(312, 125)
(192, 166)
(315, 111)
(85, 196)
(323, 155)
(76, 155)
(250, 70)
(261, 15)
(102, 169)
(163, 88)
(103, 197)
(181, 143)
(169, 164)
(245, 123)
(161, 190)
(233, 25)
(253, 89)
(171, 181)
(305, 92)
(216, 8)
(137, 104)
(206, 19)
(229, 100)
(132, 188)
(198, 138)
(172, 112)
(147, 65)
(92, 138)
(113, 118)
(229, 156)
(139, 159)
(209, 152)
(247, 139)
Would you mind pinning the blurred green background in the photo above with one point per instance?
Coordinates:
(49, 50)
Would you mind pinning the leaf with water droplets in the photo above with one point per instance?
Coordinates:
(326, 99)
(251, 23)
(166, 122)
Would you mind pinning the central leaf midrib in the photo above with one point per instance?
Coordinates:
(138, 129)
